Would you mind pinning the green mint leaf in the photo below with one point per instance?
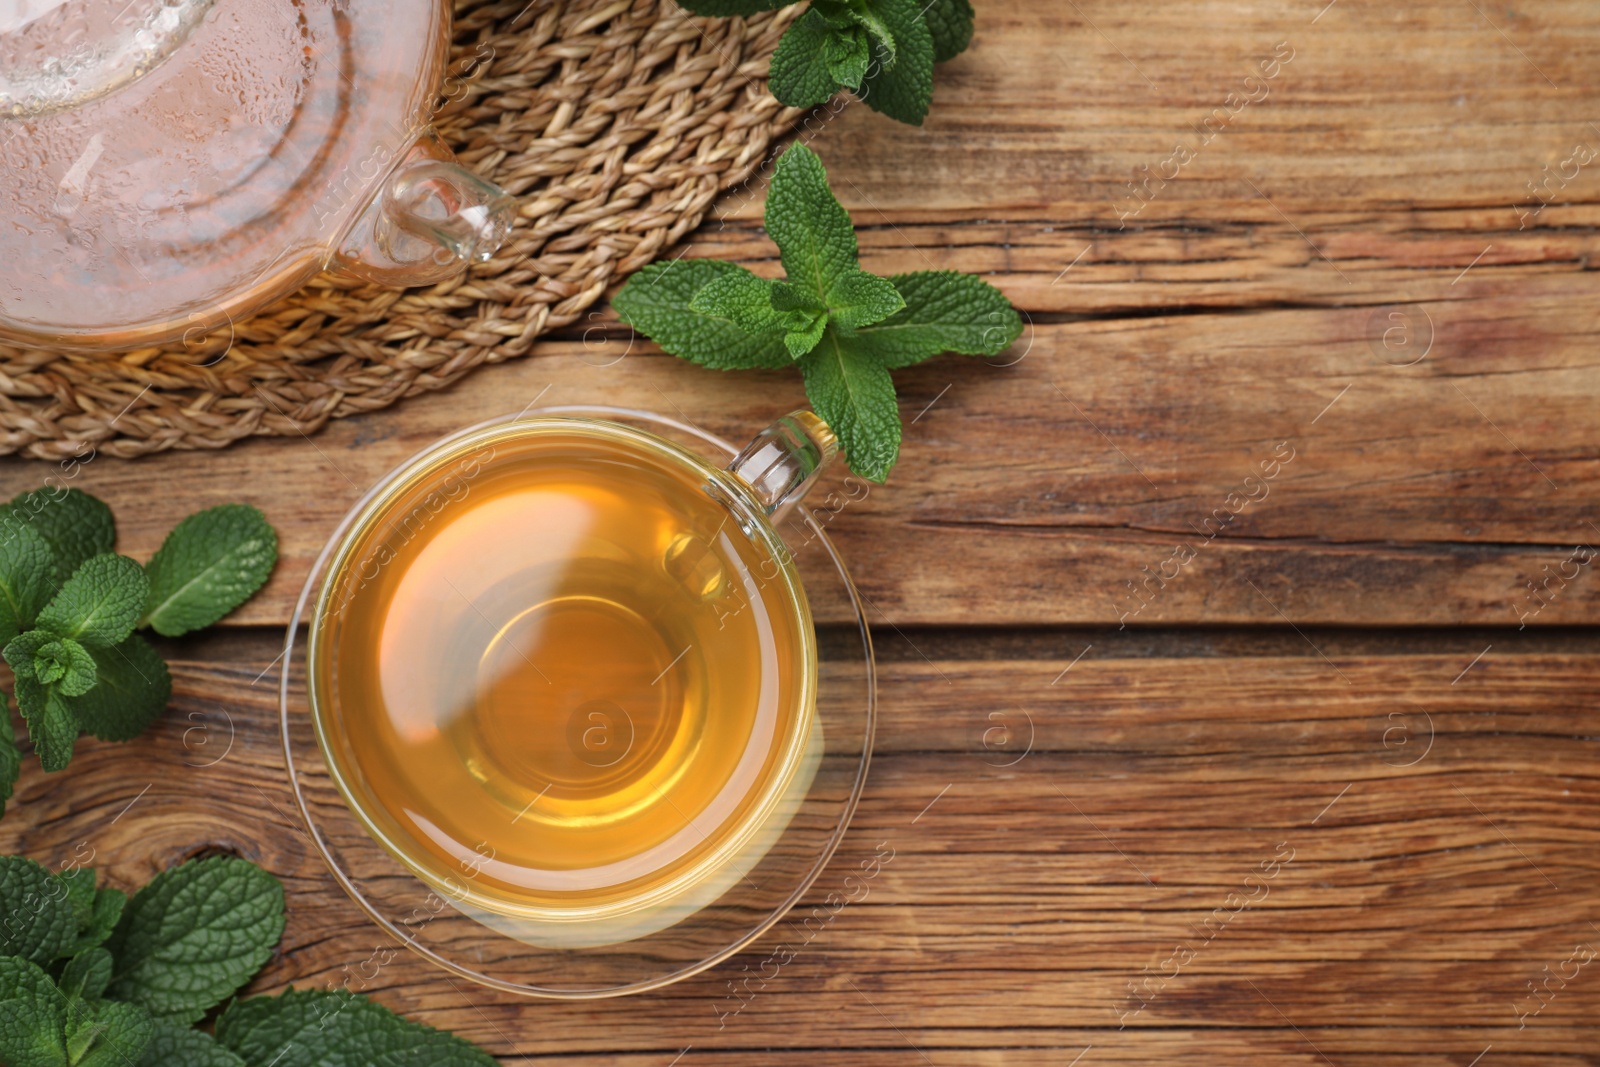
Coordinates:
(49, 663)
(859, 15)
(903, 89)
(747, 300)
(81, 1029)
(656, 303)
(78, 885)
(743, 299)
(20, 976)
(133, 689)
(786, 297)
(855, 397)
(194, 935)
(103, 916)
(724, 8)
(10, 757)
(861, 299)
(22, 652)
(950, 26)
(36, 919)
(847, 54)
(51, 726)
(40, 663)
(801, 74)
(94, 911)
(65, 663)
(80, 673)
(179, 1046)
(812, 231)
(337, 1029)
(32, 1018)
(116, 1036)
(945, 311)
(804, 338)
(101, 602)
(27, 575)
(883, 44)
(76, 525)
(87, 974)
(210, 563)
(840, 14)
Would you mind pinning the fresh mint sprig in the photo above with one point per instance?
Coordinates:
(69, 607)
(183, 945)
(846, 329)
(883, 51)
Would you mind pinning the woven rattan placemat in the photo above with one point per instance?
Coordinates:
(615, 123)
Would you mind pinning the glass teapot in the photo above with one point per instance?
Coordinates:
(170, 166)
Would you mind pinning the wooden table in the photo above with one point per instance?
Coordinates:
(1325, 790)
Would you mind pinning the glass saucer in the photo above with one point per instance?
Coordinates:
(430, 925)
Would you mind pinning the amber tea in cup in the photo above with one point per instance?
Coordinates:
(565, 672)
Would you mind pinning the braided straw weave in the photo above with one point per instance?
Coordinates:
(614, 122)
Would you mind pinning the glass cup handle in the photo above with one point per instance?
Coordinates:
(782, 463)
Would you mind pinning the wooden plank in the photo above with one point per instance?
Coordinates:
(1219, 255)
(1416, 813)
(1038, 491)
(1379, 109)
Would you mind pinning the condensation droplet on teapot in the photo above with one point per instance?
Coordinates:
(57, 54)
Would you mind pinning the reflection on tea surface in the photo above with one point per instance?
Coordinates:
(562, 663)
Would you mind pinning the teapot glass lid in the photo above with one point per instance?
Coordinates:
(59, 53)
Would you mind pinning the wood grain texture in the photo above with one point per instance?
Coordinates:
(1362, 214)
(1351, 266)
(1052, 843)
(1037, 492)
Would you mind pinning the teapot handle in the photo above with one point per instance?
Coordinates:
(430, 219)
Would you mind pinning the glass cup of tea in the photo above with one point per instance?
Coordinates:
(563, 671)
